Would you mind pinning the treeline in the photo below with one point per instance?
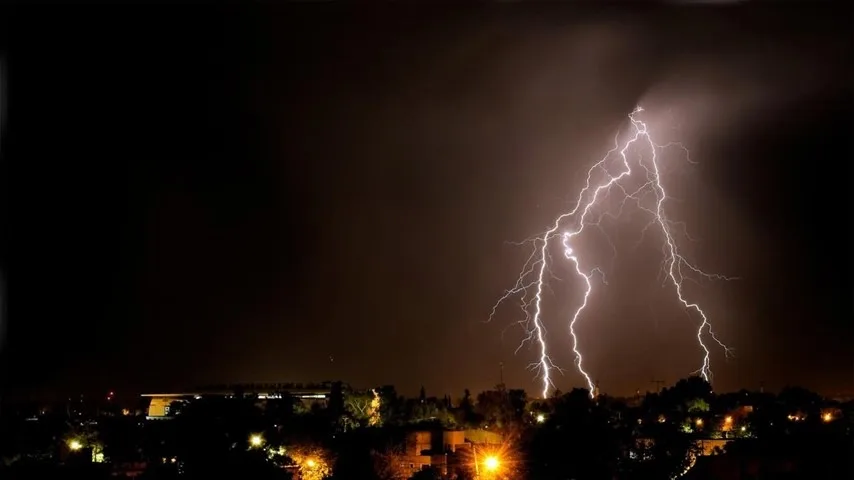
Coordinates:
(362, 435)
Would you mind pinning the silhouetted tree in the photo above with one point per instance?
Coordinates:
(688, 392)
(427, 474)
(429, 410)
(121, 438)
(465, 402)
(808, 454)
(697, 405)
(466, 413)
(665, 452)
(218, 428)
(496, 408)
(335, 407)
(391, 406)
(388, 464)
(354, 458)
(518, 400)
(797, 399)
(358, 408)
(576, 441)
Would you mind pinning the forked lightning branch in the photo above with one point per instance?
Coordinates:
(637, 159)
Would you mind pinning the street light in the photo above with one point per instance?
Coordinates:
(541, 418)
(827, 417)
(256, 440)
(489, 465)
(310, 463)
(75, 445)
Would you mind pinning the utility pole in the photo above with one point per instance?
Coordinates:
(476, 463)
(658, 384)
(501, 375)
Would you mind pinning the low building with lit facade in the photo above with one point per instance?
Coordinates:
(443, 450)
(160, 404)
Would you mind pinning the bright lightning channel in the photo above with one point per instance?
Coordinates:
(673, 264)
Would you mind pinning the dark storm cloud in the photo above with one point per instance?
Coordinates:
(744, 103)
(474, 134)
(440, 142)
(441, 165)
(320, 193)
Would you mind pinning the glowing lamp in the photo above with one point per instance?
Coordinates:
(491, 463)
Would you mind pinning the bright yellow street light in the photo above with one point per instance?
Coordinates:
(699, 422)
(728, 420)
(310, 463)
(491, 463)
(827, 417)
(541, 418)
(256, 440)
(75, 445)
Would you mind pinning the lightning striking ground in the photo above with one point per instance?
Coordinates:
(533, 277)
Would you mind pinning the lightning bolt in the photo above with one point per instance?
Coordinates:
(533, 277)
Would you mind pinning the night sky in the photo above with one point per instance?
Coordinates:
(318, 192)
